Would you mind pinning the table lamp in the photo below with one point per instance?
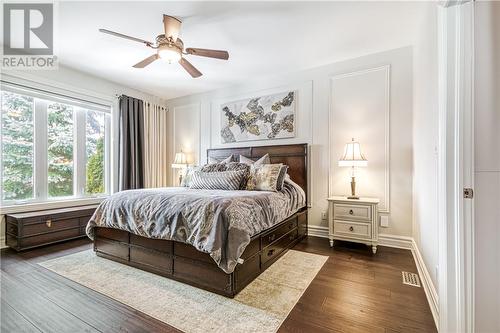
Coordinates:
(353, 158)
(180, 162)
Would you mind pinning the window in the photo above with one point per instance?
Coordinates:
(17, 146)
(52, 148)
(95, 135)
(60, 149)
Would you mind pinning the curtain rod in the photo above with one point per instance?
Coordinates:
(123, 95)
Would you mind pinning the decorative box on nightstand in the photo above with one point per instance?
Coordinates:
(354, 220)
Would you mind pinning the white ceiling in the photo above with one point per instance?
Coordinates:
(262, 38)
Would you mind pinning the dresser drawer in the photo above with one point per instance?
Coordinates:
(352, 229)
(352, 212)
(272, 251)
(279, 232)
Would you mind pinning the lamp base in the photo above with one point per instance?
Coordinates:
(353, 189)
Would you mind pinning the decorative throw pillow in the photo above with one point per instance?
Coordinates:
(281, 177)
(224, 180)
(263, 160)
(264, 177)
(212, 160)
(213, 167)
(236, 166)
(186, 180)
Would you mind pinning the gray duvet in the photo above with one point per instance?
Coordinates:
(217, 222)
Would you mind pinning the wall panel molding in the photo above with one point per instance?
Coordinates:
(384, 101)
(177, 143)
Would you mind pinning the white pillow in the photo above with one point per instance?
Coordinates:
(263, 160)
(212, 160)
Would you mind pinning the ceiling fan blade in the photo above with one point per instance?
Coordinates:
(117, 34)
(190, 68)
(147, 61)
(172, 27)
(219, 54)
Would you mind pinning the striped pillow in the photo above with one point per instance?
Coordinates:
(224, 180)
(236, 166)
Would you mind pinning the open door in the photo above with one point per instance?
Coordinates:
(456, 167)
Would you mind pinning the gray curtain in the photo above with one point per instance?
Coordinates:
(131, 130)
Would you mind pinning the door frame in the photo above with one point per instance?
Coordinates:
(456, 166)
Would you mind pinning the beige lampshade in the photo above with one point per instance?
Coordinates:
(352, 156)
(180, 161)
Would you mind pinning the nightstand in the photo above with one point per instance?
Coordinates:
(354, 220)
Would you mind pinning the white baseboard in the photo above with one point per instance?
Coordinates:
(400, 242)
(389, 240)
(428, 285)
(317, 231)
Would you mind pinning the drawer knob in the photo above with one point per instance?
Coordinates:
(272, 237)
(351, 228)
(48, 223)
(351, 212)
(270, 252)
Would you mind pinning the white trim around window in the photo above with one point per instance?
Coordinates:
(42, 97)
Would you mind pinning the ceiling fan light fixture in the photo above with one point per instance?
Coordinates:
(169, 53)
(170, 47)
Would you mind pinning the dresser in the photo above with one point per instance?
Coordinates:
(354, 220)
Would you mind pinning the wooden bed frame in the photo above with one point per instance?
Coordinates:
(184, 263)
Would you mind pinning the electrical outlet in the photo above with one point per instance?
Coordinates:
(384, 221)
(323, 215)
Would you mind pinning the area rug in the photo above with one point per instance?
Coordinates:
(261, 307)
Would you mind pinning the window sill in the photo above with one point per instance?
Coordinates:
(49, 205)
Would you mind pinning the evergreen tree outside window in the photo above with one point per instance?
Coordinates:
(52, 147)
(95, 153)
(60, 149)
(17, 146)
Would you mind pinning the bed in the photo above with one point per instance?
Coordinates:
(203, 258)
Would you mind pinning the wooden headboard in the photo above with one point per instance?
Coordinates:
(295, 156)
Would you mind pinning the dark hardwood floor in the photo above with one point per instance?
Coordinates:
(355, 291)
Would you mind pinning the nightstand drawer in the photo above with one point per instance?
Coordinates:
(352, 212)
(352, 229)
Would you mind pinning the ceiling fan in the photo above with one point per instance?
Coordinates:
(170, 47)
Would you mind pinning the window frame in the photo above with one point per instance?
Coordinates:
(42, 99)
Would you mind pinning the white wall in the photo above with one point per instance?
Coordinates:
(312, 123)
(185, 136)
(81, 84)
(425, 143)
(487, 166)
